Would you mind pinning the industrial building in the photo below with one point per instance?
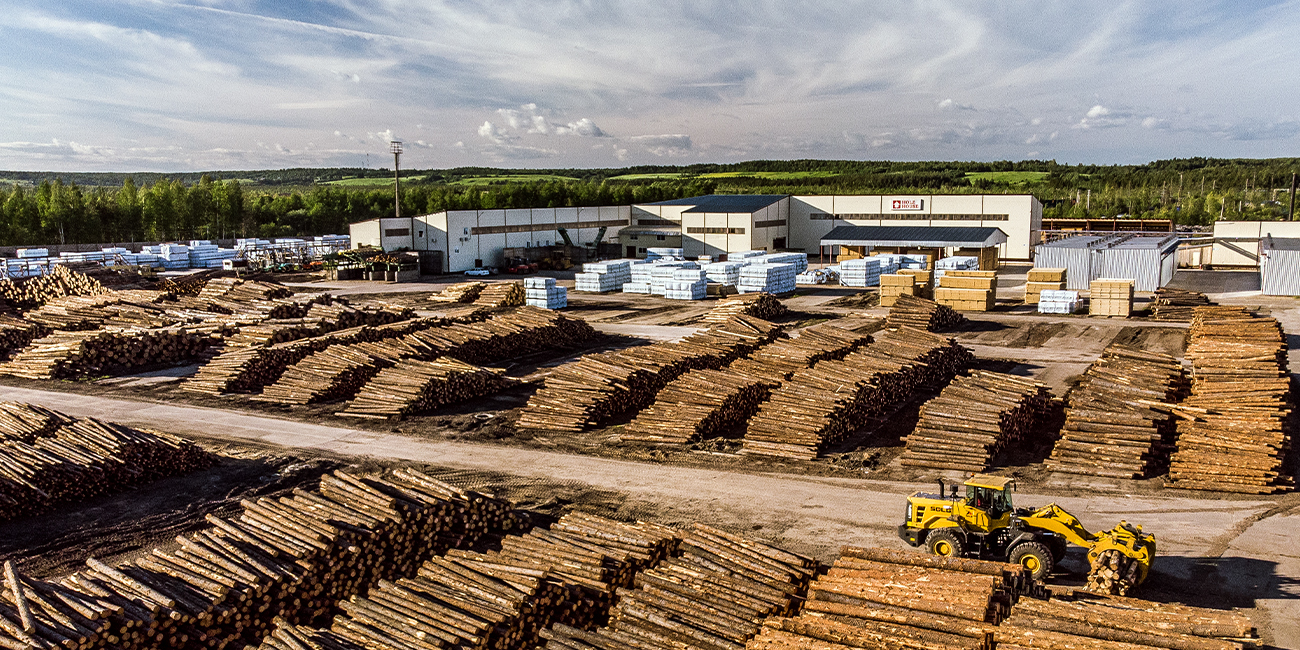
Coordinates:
(1279, 266)
(712, 225)
(1149, 261)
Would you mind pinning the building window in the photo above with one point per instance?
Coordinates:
(397, 232)
(660, 237)
(912, 216)
(769, 224)
(715, 231)
(640, 250)
(632, 237)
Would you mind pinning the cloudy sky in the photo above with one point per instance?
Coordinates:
(128, 85)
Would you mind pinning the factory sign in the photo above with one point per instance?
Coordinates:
(908, 204)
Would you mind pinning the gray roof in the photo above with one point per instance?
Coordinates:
(1116, 241)
(918, 236)
(747, 203)
(650, 230)
(1280, 243)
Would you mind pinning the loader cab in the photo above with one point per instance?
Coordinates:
(987, 505)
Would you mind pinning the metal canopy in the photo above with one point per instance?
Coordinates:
(915, 236)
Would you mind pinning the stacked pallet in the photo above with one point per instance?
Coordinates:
(821, 406)
(894, 285)
(459, 292)
(713, 597)
(1110, 297)
(1236, 437)
(66, 355)
(18, 333)
(973, 419)
(29, 293)
(414, 385)
(48, 459)
(1177, 304)
(1038, 280)
(879, 598)
(968, 290)
(500, 295)
(911, 311)
(1077, 619)
(292, 557)
(1119, 422)
(759, 305)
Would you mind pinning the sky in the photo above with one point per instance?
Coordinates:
(158, 85)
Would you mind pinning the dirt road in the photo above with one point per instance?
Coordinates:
(1232, 552)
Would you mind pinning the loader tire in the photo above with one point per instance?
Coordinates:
(945, 543)
(1035, 557)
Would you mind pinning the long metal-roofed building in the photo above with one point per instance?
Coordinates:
(717, 224)
(1149, 261)
(1279, 266)
(938, 241)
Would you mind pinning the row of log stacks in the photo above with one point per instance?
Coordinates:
(48, 459)
(495, 600)
(66, 355)
(501, 295)
(1079, 619)
(340, 371)
(28, 293)
(291, 557)
(1177, 304)
(459, 292)
(885, 598)
(758, 305)
(414, 385)
(137, 307)
(18, 333)
(243, 290)
(598, 388)
(820, 406)
(713, 597)
(1234, 436)
(1119, 421)
(190, 284)
(923, 314)
(509, 334)
(707, 403)
(974, 418)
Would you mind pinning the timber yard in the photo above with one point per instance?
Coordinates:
(224, 460)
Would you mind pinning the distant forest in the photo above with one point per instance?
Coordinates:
(49, 208)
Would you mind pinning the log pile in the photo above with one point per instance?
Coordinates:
(974, 418)
(243, 290)
(18, 333)
(1112, 572)
(292, 557)
(134, 308)
(459, 292)
(1235, 437)
(1077, 619)
(500, 295)
(340, 371)
(759, 305)
(780, 360)
(66, 355)
(1119, 422)
(191, 284)
(698, 405)
(820, 406)
(29, 293)
(48, 459)
(922, 314)
(510, 334)
(713, 597)
(414, 385)
(884, 598)
(598, 388)
(1177, 304)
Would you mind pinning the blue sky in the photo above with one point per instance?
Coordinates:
(138, 85)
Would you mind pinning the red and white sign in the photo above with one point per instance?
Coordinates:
(908, 204)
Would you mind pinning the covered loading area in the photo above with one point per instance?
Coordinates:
(935, 242)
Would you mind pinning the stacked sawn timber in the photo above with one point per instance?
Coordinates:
(1177, 304)
(974, 418)
(911, 311)
(759, 305)
(293, 557)
(64, 355)
(48, 459)
(1240, 401)
(884, 598)
(1119, 422)
(1087, 621)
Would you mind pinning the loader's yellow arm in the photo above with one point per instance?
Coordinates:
(1058, 520)
(1125, 538)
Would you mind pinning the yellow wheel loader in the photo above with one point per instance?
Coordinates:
(984, 525)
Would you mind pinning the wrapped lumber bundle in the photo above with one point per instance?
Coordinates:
(65, 355)
(911, 311)
(698, 405)
(414, 385)
(48, 459)
(820, 406)
(1078, 619)
(292, 558)
(1110, 297)
(499, 295)
(974, 418)
(1234, 436)
(30, 293)
(1118, 420)
(759, 305)
(18, 333)
(1177, 304)
(714, 596)
(459, 292)
(1038, 280)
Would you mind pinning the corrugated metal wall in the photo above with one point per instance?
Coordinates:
(1279, 272)
(1149, 261)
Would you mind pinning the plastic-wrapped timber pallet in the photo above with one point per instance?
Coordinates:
(1038, 280)
(1236, 437)
(911, 311)
(967, 290)
(713, 597)
(1110, 297)
(1119, 422)
(973, 419)
(884, 598)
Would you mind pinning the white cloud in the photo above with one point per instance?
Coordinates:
(1101, 117)
(490, 131)
(672, 144)
(583, 127)
(949, 105)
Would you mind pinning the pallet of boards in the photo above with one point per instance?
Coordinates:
(1038, 280)
(893, 285)
(1085, 620)
(759, 305)
(713, 597)
(1119, 420)
(820, 406)
(1110, 297)
(1177, 304)
(967, 290)
(30, 293)
(1235, 435)
(294, 557)
(911, 311)
(974, 418)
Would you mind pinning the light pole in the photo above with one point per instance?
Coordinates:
(395, 147)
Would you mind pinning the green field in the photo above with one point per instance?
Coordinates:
(369, 182)
(676, 175)
(502, 179)
(1010, 178)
